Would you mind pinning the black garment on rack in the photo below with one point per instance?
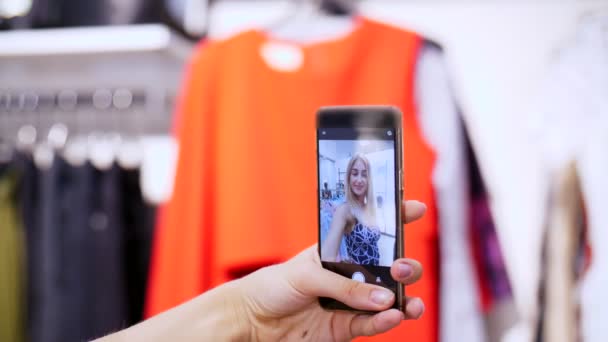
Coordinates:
(139, 220)
(28, 204)
(63, 299)
(88, 237)
(105, 256)
(73, 210)
(51, 305)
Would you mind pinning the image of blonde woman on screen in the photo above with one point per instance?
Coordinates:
(355, 219)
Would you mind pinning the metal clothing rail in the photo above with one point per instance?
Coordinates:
(90, 78)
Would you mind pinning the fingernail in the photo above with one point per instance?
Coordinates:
(381, 297)
(421, 311)
(420, 203)
(418, 302)
(404, 271)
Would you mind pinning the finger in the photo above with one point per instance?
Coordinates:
(414, 308)
(310, 253)
(366, 325)
(406, 271)
(412, 210)
(361, 296)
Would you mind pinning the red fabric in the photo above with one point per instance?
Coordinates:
(246, 177)
(486, 298)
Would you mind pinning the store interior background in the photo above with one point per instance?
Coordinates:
(499, 55)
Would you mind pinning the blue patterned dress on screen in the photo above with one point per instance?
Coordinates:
(362, 245)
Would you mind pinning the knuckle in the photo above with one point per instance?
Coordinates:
(351, 288)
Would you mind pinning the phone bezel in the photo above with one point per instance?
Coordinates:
(362, 117)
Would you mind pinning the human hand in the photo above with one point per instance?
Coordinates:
(281, 302)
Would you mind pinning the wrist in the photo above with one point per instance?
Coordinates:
(224, 313)
(217, 315)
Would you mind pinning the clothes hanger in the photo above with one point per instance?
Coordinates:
(102, 142)
(308, 21)
(130, 152)
(302, 22)
(77, 125)
(27, 133)
(338, 7)
(42, 150)
(75, 150)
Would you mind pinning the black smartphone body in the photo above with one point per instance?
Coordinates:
(360, 191)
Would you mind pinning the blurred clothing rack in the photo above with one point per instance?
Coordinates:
(91, 78)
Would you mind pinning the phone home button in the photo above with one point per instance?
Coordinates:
(358, 276)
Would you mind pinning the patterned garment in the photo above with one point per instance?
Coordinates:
(362, 245)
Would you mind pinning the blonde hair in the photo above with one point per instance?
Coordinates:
(370, 199)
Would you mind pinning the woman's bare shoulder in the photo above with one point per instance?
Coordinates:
(343, 210)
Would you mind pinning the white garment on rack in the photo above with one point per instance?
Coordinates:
(460, 310)
(158, 167)
(593, 164)
(571, 123)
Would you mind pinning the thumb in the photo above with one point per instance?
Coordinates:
(357, 295)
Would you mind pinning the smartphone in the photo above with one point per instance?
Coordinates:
(360, 190)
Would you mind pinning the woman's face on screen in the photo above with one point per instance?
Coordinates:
(358, 178)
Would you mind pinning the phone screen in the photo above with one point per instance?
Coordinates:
(359, 203)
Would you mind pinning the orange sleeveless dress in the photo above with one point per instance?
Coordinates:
(244, 193)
